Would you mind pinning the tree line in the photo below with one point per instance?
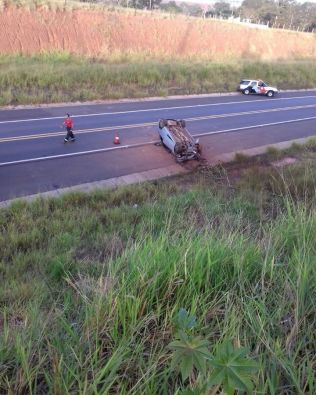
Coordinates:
(286, 14)
(280, 13)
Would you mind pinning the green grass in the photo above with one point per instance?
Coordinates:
(274, 152)
(241, 158)
(91, 283)
(295, 149)
(58, 77)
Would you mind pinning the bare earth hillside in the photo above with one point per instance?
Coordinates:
(99, 33)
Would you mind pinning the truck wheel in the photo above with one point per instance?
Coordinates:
(270, 94)
(182, 123)
(162, 123)
(246, 91)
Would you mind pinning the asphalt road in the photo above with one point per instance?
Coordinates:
(33, 157)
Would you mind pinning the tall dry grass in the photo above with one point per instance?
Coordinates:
(94, 32)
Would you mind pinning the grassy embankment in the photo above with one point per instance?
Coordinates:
(62, 78)
(91, 283)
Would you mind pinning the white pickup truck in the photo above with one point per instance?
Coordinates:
(257, 87)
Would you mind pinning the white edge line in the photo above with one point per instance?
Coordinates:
(42, 158)
(153, 109)
(147, 143)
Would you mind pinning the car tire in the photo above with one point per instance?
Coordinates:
(162, 123)
(246, 91)
(270, 93)
(199, 149)
(182, 123)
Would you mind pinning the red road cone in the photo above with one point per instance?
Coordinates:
(116, 139)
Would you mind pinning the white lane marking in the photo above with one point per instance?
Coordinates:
(133, 126)
(156, 109)
(234, 114)
(80, 131)
(41, 158)
(254, 126)
(147, 143)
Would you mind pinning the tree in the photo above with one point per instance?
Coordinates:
(171, 7)
(287, 13)
(144, 4)
(192, 9)
(222, 9)
(268, 13)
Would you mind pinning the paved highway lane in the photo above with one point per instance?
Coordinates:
(39, 121)
(224, 124)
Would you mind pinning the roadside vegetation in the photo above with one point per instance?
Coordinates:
(60, 77)
(96, 288)
(289, 14)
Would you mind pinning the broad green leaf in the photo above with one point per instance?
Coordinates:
(176, 359)
(217, 376)
(186, 366)
(232, 369)
(189, 353)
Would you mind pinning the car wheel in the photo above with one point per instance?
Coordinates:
(162, 123)
(270, 93)
(246, 91)
(182, 123)
(198, 148)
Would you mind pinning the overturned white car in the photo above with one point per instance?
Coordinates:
(177, 139)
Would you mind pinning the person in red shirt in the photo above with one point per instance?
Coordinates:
(68, 123)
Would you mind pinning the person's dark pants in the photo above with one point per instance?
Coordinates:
(70, 134)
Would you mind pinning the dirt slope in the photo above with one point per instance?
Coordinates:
(99, 33)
